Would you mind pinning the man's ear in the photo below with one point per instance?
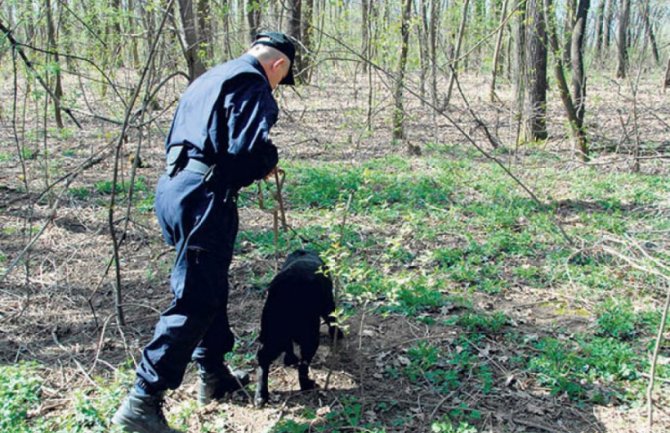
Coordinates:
(279, 63)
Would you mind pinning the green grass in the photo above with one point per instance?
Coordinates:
(20, 392)
(105, 186)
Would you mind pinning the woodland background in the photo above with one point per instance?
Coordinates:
(487, 180)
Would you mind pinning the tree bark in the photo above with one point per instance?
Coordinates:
(666, 82)
(650, 32)
(519, 73)
(434, 20)
(607, 25)
(307, 33)
(53, 46)
(294, 31)
(398, 111)
(600, 20)
(195, 65)
(576, 128)
(536, 73)
(622, 49)
(205, 27)
(457, 52)
(254, 11)
(496, 53)
(365, 33)
(567, 32)
(578, 76)
(422, 32)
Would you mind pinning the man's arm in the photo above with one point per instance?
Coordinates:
(251, 111)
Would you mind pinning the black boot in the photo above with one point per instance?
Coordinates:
(142, 414)
(215, 385)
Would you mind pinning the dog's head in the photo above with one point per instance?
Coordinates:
(309, 264)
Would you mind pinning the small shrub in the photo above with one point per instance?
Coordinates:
(616, 319)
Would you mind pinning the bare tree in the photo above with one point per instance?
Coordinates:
(607, 24)
(536, 73)
(195, 65)
(622, 49)
(496, 53)
(576, 126)
(307, 34)
(294, 31)
(432, 31)
(253, 17)
(567, 31)
(577, 48)
(600, 19)
(457, 52)
(205, 27)
(53, 46)
(649, 30)
(398, 111)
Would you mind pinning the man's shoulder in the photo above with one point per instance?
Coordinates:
(238, 66)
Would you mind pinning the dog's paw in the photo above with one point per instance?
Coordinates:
(307, 384)
(260, 401)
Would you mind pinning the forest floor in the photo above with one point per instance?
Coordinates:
(465, 308)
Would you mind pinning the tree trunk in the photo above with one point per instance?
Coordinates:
(576, 128)
(600, 19)
(567, 32)
(253, 17)
(536, 73)
(195, 65)
(519, 73)
(365, 32)
(53, 46)
(607, 26)
(398, 111)
(622, 49)
(457, 53)
(650, 33)
(578, 76)
(434, 19)
(132, 27)
(307, 33)
(496, 53)
(422, 31)
(666, 82)
(294, 30)
(205, 27)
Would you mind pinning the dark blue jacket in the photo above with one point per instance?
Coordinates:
(224, 117)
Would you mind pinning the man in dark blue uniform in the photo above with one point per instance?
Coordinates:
(218, 143)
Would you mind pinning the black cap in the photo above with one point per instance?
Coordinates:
(282, 43)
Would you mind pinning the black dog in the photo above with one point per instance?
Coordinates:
(298, 296)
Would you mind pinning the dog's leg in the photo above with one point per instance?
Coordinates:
(303, 377)
(266, 354)
(289, 357)
(308, 349)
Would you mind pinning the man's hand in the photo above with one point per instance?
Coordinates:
(275, 171)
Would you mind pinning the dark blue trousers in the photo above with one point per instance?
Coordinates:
(202, 225)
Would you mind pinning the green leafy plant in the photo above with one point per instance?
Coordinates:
(20, 391)
(616, 319)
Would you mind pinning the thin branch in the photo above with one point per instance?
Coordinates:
(17, 46)
(467, 136)
(115, 178)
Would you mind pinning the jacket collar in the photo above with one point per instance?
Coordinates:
(253, 61)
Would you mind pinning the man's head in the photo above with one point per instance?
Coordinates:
(276, 54)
